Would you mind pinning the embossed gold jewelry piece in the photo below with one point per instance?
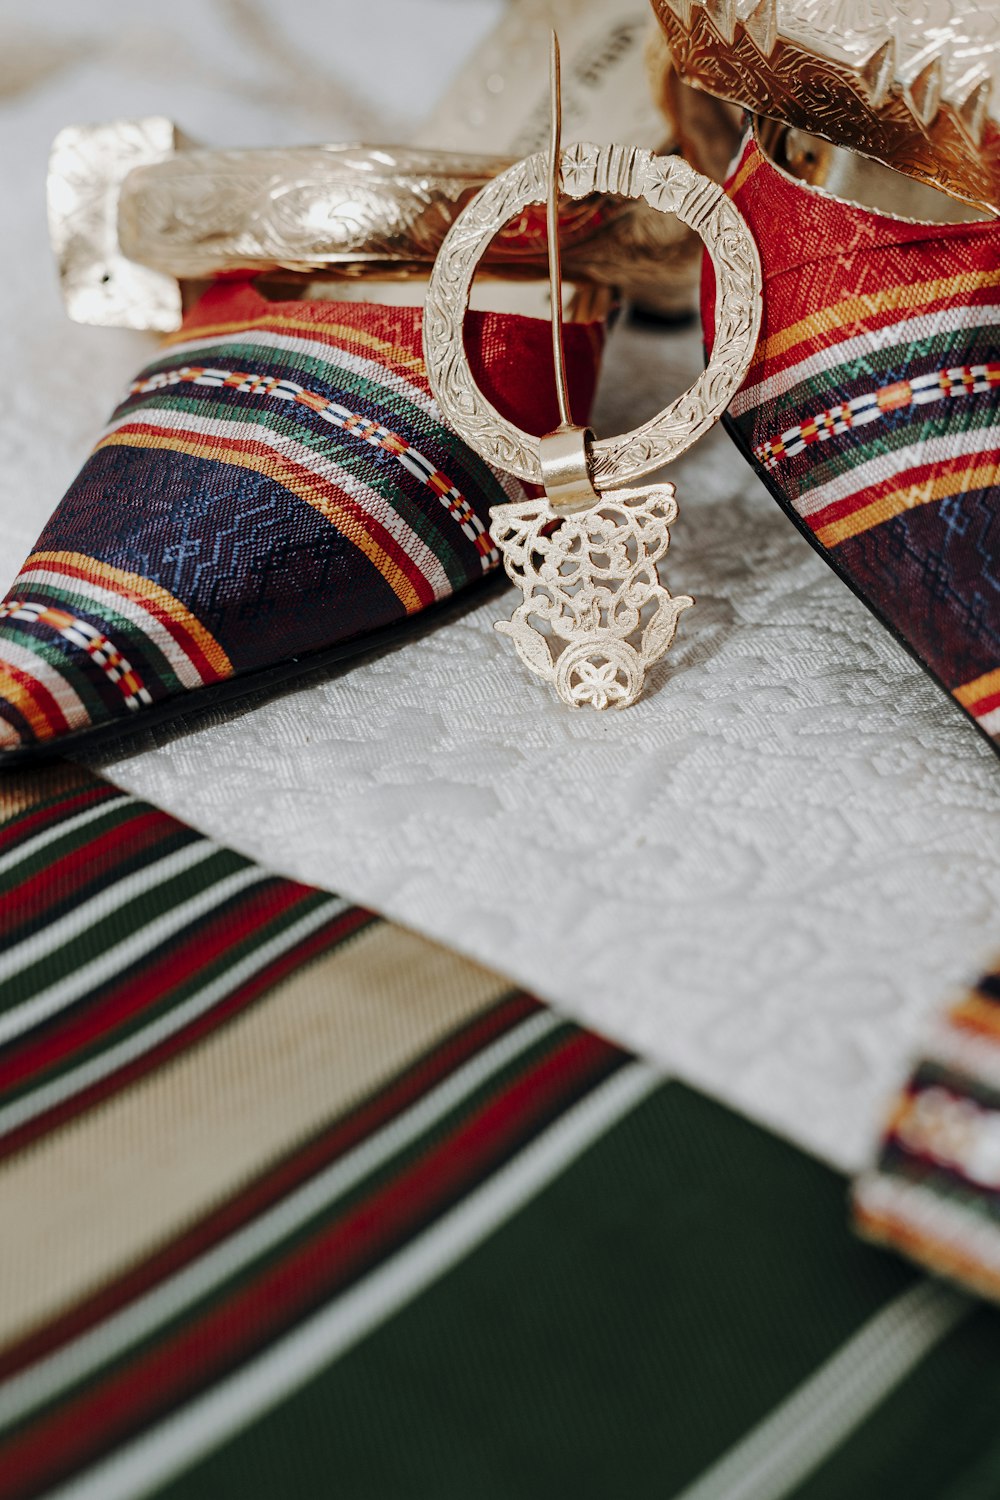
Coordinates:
(139, 214)
(87, 166)
(913, 83)
(131, 218)
(594, 614)
(857, 181)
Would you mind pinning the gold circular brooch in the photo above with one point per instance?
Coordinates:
(668, 185)
(594, 613)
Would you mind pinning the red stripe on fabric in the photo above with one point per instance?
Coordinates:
(985, 705)
(335, 333)
(174, 628)
(63, 877)
(20, 830)
(106, 1413)
(325, 487)
(813, 222)
(238, 999)
(903, 479)
(288, 1174)
(40, 696)
(357, 328)
(143, 987)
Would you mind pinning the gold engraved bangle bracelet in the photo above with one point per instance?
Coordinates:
(914, 84)
(134, 213)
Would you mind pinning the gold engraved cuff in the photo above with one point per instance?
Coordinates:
(133, 213)
(912, 83)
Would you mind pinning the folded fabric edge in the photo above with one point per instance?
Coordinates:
(933, 1193)
(245, 1124)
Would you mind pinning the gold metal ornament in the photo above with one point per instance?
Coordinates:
(140, 214)
(594, 614)
(912, 83)
(132, 218)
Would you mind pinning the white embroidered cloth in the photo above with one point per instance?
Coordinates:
(766, 875)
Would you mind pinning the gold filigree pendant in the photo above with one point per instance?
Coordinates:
(595, 614)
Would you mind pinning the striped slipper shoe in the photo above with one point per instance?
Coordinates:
(277, 491)
(872, 412)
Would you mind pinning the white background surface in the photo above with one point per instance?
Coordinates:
(766, 875)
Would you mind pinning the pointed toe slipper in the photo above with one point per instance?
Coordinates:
(872, 412)
(276, 491)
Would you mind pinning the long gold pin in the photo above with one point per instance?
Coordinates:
(552, 233)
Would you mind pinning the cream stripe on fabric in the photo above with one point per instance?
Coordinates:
(926, 326)
(187, 673)
(201, 1426)
(326, 353)
(112, 1337)
(29, 1106)
(965, 1234)
(127, 1176)
(776, 1456)
(931, 450)
(32, 664)
(963, 1052)
(308, 458)
(35, 845)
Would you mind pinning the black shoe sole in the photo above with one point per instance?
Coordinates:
(258, 681)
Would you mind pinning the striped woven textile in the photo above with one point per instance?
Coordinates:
(934, 1192)
(227, 1101)
(276, 483)
(294, 1202)
(872, 411)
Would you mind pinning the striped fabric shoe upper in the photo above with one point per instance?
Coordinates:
(872, 409)
(276, 482)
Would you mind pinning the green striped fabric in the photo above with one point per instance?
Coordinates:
(296, 1203)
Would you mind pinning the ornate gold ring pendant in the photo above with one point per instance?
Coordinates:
(594, 614)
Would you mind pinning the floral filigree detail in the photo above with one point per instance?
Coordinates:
(597, 684)
(595, 615)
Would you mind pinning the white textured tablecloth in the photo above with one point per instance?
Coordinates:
(766, 875)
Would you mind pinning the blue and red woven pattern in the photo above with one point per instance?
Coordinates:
(873, 409)
(276, 482)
